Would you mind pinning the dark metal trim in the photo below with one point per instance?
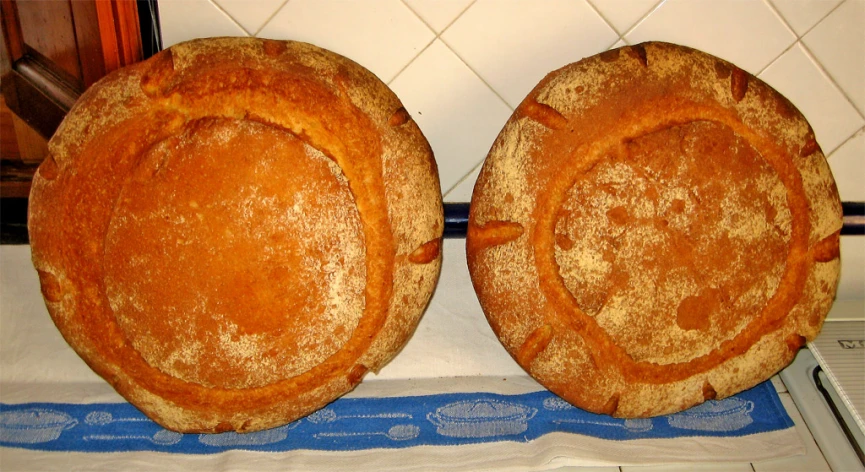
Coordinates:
(456, 220)
(843, 424)
(854, 218)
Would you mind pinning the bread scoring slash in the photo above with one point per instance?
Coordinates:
(654, 227)
(228, 232)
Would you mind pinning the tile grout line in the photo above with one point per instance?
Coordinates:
(846, 140)
(438, 33)
(411, 61)
(608, 22)
(419, 17)
(436, 37)
(775, 59)
(642, 19)
(270, 18)
(466, 176)
(457, 17)
(495, 92)
(777, 13)
(786, 23)
(231, 18)
(829, 76)
(798, 36)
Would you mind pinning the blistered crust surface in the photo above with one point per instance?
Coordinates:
(652, 228)
(233, 232)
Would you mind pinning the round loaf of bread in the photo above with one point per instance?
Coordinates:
(654, 227)
(233, 232)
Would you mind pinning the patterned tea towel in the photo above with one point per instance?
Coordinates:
(459, 430)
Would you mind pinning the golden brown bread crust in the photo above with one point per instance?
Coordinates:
(233, 232)
(652, 228)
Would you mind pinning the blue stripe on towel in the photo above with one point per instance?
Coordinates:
(362, 423)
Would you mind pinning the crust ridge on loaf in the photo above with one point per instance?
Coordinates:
(673, 234)
(218, 231)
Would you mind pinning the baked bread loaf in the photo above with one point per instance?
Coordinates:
(654, 227)
(233, 232)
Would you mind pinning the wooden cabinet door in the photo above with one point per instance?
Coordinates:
(54, 49)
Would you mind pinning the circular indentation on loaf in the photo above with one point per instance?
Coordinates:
(426, 252)
(52, 290)
(709, 392)
(544, 114)
(355, 375)
(611, 405)
(722, 69)
(242, 264)
(610, 55)
(738, 84)
(49, 170)
(795, 341)
(677, 242)
(534, 344)
(810, 146)
(399, 117)
(828, 248)
(273, 48)
(154, 81)
(639, 52)
(494, 233)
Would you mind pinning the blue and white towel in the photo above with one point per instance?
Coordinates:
(390, 423)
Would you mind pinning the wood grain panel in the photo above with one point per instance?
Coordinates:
(48, 32)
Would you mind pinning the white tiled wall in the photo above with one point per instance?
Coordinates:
(460, 66)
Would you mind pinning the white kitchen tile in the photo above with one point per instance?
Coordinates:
(747, 33)
(624, 14)
(802, 81)
(250, 15)
(438, 14)
(812, 461)
(802, 15)
(457, 112)
(181, 20)
(513, 44)
(619, 44)
(462, 192)
(838, 43)
(848, 167)
(382, 35)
